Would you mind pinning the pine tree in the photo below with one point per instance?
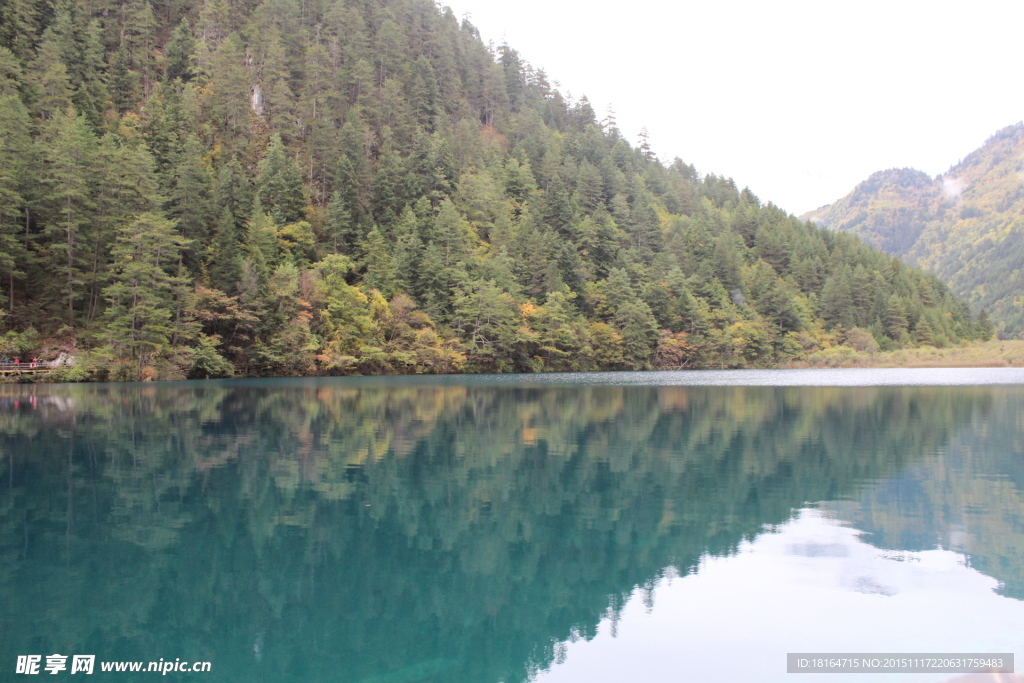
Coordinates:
(138, 320)
(190, 201)
(77, 44)
(424, 98)
(123, 87)
(923, 333)
(837, 307)
(11, 73)
(16, 157)
(261, 243)
(488, 318)
(48, 81)
(70, 165)
(225, 262)
(126, 187)
(639, 331)
(647, 229)
(387, 189)
(895, 319)
(234, 192)
(279, 185)
(984, 325)
(229, 96)
(558, 213)
(171, 116)
(618, 292)
(380, 265)
(561, 337)
(180, 54)
(214, 26)
(20, 23)
(408, 253)
(275, 99)
(137, 38)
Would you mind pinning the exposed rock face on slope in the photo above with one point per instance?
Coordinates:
(967, 225)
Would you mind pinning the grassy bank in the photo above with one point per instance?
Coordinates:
(988, 354)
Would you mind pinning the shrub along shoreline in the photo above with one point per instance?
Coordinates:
(994, 353)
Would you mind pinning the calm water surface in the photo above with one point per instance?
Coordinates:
(610, 527)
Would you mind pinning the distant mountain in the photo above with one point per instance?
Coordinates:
(967, 225)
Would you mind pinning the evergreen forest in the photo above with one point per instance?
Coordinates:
(966, 225)
(291, 187)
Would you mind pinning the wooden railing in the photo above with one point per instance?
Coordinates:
(23, 368)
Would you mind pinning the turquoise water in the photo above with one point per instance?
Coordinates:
(603, 527)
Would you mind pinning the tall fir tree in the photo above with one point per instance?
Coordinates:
(279, 185)
(16, 156)
(70, 161)
(138, 321)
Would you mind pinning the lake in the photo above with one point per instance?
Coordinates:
(606, 527)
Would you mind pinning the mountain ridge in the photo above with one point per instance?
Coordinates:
(965, 225)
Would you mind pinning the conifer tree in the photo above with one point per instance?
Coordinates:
(229, 92)
(20, 26)
(424, 97)
(141, 299)
(126, 187)
(837, 306)
(234, 192)
(895, 319)
(618, 292)
(190, 201)
(16, 153)
(639, 331)
(387, 189)
(558, 214)
(488, 318)
(984, 324)
(261, 244)
(225, 261)
(70, 162)
(78, 45)
(380, 264)
(408, 253)
(179, 54)
(279, 185)
(48, 81)
(122, 81)
(923, 333)
(11, 73)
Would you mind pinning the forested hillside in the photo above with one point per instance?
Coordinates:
(359, 186)
(967, 225)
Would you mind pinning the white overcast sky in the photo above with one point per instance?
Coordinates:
(798, 99)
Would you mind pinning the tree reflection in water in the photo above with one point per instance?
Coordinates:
(331, 530)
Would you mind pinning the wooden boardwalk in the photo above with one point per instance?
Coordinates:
(22, 368)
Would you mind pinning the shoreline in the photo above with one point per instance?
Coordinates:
(989, 354)
(995, 353)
